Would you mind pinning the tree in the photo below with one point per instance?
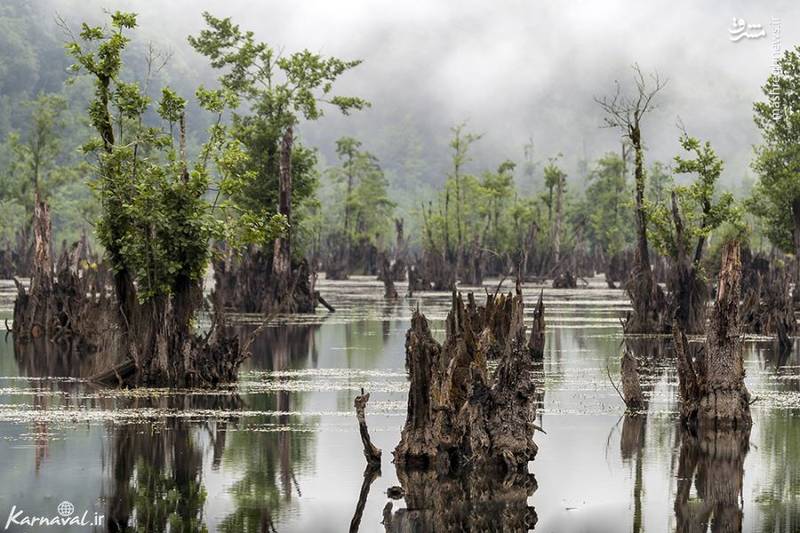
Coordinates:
(556, 179)
(155, 223)
(626, 113)
(609, 225)
(279, 90)
(776, 196)
(681, 230)
(365, 209)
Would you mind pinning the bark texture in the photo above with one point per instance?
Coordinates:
(371, 453)
(457, 412)
(536, 341)
(631, 388)
(712, 389)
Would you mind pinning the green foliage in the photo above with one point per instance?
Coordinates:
(37, 160)
(776, 196)
(155, 221)
(366, 204)
(699, 212)
(606, 207)
(279, 91)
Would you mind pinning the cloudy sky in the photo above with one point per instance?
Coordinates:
(514, 69)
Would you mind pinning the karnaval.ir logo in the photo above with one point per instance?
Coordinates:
(64, 516)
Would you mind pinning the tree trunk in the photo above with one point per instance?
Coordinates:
(645, 295)
(631, 389)
(688, 292)
(282, 253)
(713, 393)
(536, 342)
(457, 413)
(371, 453)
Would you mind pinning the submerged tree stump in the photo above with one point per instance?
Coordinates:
(712, 389)
(245, 283)
(387, 276)
(631, 387)
(457, 412)
(371, 453)
(768, 306)
(536, 342)
(565, 280)
(69, 308)
(650, 306)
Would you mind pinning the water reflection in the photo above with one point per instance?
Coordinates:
(157, 482)
(472, 501)
(281, 451)
(712, 465)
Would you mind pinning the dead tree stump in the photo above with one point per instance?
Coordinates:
(712, 389)
(536, 342)
(457, 412)
(631, 388)
(371, 453)
(387, 276)
(565, 280)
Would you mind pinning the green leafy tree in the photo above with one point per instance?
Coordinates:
(681, 230)
(605, 208)
(776, 196)
(155, 221)
(279, 91)
(364, 207)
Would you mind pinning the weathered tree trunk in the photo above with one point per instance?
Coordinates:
(646, 296)
(371, 453)
(389, 290)
(400, 252)
(687, 290)
(32, 310)
(768, 308)
(536, 342)
(457, 413)
(796, 241)
(713, 393)
(282, 253)
(631, 388)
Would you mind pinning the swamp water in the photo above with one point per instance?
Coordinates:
(280, 451)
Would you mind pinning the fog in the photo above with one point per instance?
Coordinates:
(514, 70)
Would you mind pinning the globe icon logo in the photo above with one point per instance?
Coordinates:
(65, 508)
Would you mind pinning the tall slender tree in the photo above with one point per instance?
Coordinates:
(626, 113)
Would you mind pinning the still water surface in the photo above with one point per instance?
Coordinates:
(280, 451)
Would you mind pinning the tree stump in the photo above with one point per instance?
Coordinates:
(536, 342)
(457, 412)
(631, 388)
(371, 453)
(712, 389)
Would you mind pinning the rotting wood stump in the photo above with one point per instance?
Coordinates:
(712, 390)
(536, 341)
(457, 412)
(371, 453)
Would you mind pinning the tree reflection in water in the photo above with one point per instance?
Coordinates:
(157, 478)
(471, 501)
(270, 452)
(712, 464)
